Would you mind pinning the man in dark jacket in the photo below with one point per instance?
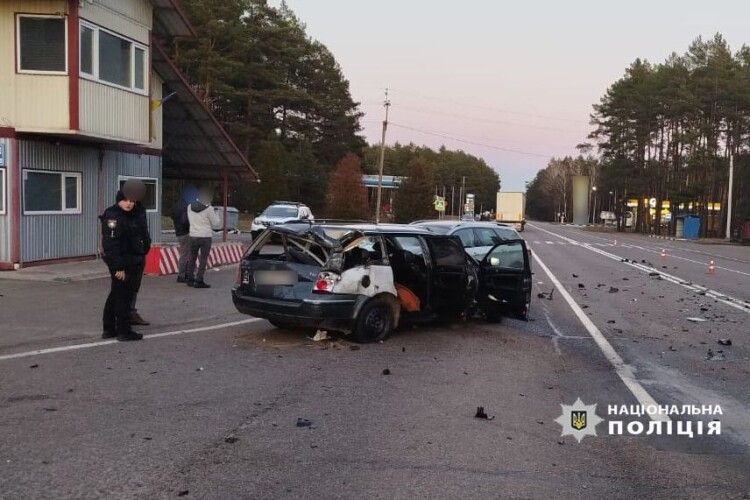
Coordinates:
(125, 241)
(140, 212)
(182, 229)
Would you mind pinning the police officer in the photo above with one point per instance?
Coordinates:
(125, 241)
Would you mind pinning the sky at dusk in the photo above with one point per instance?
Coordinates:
(511, 82)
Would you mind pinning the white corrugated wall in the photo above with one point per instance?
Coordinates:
(45, 237)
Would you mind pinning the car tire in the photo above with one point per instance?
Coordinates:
(493, 315)
(374, 322)
(523, 312)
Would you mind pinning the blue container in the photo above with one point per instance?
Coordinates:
(692, 227)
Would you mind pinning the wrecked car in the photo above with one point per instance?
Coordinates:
(365, 279)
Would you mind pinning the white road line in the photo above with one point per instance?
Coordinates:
(89, 345)
(550, 242)
(734, 302)
(679, 248)
(673, 256)
(623, 370)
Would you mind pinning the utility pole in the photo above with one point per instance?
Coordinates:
(729, 195)
(387, 105)
(461, 196)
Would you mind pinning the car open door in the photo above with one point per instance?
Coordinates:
(450, 277)
(505, 280)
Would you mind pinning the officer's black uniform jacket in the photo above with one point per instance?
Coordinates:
(125, 238)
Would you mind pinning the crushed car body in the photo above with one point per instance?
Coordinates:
(366, 279)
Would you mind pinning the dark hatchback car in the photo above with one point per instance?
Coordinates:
(366, 280)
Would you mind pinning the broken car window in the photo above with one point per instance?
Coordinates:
(363, 251)
(275, 246)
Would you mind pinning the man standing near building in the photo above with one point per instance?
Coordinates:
(182, 228)
(125, 241)
(203, 220)
(139, 212)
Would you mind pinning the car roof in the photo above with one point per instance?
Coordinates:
(455, 224)
(368, 228)
(289, 203)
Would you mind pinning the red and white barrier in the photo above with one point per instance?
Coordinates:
(164, 259)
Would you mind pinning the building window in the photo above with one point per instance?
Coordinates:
(111, 59)
(87, 50)
(151, 199)
(2, 192)
(46, 192)
(41, 44)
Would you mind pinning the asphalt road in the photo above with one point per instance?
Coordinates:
(212, 413)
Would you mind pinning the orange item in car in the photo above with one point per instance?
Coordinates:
(409, 300)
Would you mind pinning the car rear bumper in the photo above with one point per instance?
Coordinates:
(332, 312)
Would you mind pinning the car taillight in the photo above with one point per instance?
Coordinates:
(325, 282)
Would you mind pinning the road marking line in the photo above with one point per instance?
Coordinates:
(734, 302)
(673, 256)
(89, 345)
(623, 370)
(550, 242)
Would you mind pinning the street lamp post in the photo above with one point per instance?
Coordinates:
(729, 195)
(593, 215)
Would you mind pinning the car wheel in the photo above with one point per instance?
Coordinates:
(374, 322)
(493, 315)
(523, 312)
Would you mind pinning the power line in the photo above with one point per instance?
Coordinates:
(485, 120)
(473, 143)
(485, 107)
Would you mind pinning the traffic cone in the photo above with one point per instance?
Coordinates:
(663, 253)
(711, 268)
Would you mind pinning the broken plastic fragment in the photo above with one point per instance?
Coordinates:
(481, 414)
(320, 335)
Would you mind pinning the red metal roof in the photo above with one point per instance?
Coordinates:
(170, 19)
(195, 145)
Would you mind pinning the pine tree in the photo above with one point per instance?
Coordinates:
(414, 199)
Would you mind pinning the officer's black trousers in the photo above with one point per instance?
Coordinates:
(116, 317)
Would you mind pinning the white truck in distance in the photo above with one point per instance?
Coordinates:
(511, 209)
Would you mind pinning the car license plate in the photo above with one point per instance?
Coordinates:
(284, 278)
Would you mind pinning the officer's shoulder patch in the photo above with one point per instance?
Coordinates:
(111, 223)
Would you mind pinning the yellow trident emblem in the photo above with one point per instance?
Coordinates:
(578, 419)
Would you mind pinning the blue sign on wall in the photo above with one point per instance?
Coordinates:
(2, 154)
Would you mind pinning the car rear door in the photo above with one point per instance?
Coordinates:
(449, 277)
(505, 276)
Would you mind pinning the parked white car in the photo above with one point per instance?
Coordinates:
(280, 212)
